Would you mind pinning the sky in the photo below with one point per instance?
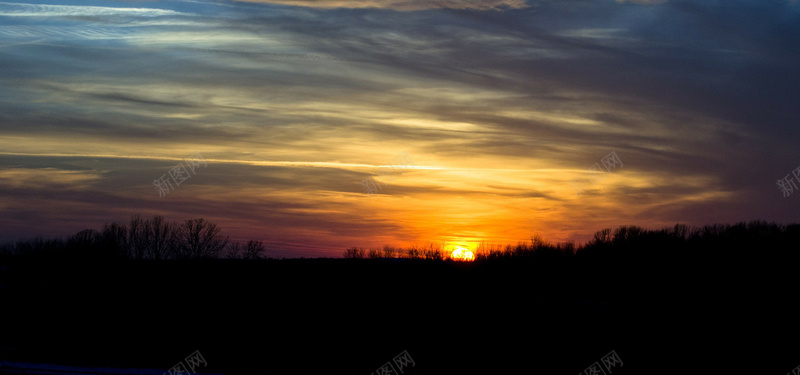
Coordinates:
(486, 111)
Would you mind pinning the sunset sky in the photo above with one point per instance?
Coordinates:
(499, 103)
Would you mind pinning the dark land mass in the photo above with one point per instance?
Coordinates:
(726, 305)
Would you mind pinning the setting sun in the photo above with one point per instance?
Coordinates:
(462, 254)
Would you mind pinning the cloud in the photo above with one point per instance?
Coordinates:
(40, 10)
(23, 178)
(403, 5)
(645, 2)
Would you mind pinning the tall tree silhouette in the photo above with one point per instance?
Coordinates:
(138, 237)
(163, 238)
(114, 239)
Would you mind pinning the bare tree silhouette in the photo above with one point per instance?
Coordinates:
(389, 251)
(38, 246)
(433, 252)
(201, 239)
(413, 252)
(114, 238)
(253, 250)
(354, 253)
(138, 237)
(163, 237)
(84, 244)
(234, 250)
(601, 237)
(374, 253)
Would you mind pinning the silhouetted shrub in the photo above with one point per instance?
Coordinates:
(354, 253)
(413, 252)
(389, 251)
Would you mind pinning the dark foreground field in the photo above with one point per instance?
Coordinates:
(507, 316)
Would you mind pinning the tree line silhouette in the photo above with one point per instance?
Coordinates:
(628, 243)
(631, 289)
(141, 238)
(431, 251)
(159, 239)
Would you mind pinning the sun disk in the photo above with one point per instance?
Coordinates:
(462, 254)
